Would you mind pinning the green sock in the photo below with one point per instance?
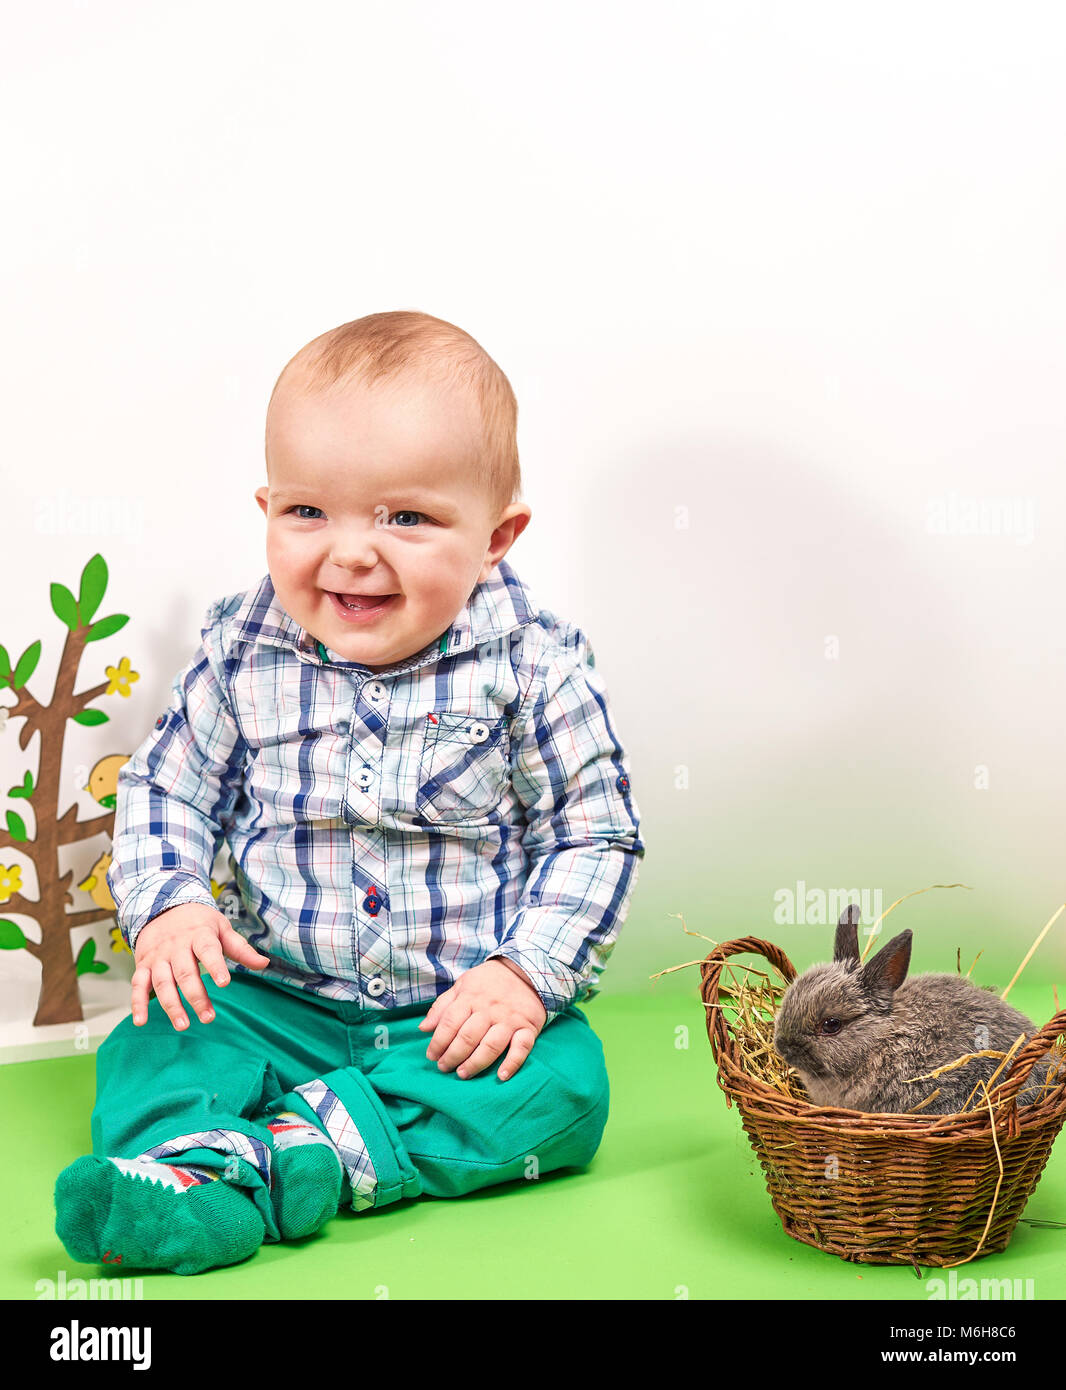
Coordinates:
(305, 1174)
(138, 1213)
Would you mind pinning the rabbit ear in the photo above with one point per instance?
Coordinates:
(846, 946)
(888, 969)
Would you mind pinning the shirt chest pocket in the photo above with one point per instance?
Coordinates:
(463, 766)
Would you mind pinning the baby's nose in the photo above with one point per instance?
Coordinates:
(355, 549)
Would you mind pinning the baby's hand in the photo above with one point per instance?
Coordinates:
(167, 953)
(486, 1009)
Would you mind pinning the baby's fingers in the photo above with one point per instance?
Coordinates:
(167, 993)
(209, 951)
(142, 983)
(187, 978)
(491, 1046)
(521, 1047)
(243, 952)
(437, 1008)
(448, 1025)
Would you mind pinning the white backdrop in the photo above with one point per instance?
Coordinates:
(780, 290)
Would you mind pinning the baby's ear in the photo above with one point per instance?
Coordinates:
(846, 947)
(884, 974)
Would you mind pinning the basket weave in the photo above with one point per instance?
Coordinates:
(904, 1189)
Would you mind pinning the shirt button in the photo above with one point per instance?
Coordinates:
(364, 777)
(376, 691)
(376, 986)
(372, 902)
(623, 783)
(160, 721)
(478, 732)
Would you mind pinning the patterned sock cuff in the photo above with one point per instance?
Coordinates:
(346, 1138)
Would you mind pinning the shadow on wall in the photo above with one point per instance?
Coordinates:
(762, 607)
(818, 664)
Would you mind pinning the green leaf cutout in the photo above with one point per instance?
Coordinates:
(85, 964)
(5, 666)
(90, 716)
(16, 826)
(63, 606)
(106, 626)
(11, 936)
(27, 786)
(27, 664)
(93, 584)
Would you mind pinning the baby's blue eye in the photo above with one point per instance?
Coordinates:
(306, 507)
(407, 523)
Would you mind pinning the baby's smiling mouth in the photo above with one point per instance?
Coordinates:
(361, 602)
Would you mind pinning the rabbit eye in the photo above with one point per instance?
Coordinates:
(830, 1025)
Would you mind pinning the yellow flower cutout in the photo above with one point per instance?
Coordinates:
(10, 881)
(120, 677)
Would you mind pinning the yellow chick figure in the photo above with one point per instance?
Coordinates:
(95, 883)
(103, 780)
(117, 943)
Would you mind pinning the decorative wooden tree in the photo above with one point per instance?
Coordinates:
(59, 1000)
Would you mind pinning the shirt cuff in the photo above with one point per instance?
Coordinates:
(555, 984)
(155, 896)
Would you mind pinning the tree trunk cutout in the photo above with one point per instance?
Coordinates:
(59, 1000)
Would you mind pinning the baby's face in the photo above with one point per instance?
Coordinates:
(376, 533)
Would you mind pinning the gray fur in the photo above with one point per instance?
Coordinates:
(892, 1028)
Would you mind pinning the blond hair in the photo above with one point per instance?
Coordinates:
(405, 343)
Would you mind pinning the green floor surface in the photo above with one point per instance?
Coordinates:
(673, 1205)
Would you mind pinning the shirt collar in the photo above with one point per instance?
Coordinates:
(497, 606)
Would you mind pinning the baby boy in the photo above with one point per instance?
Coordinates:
(433, 842)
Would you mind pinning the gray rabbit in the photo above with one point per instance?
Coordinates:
(854, 1032)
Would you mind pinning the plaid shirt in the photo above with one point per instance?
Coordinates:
(388, 831)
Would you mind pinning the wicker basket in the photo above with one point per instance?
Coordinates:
(890, 1189)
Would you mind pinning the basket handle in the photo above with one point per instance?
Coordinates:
(720, 1040)
(710, 977)
(1039, 1043)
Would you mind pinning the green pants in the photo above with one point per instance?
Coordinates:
(403, 1128)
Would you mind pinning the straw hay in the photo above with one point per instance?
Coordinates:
(751, 1000)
